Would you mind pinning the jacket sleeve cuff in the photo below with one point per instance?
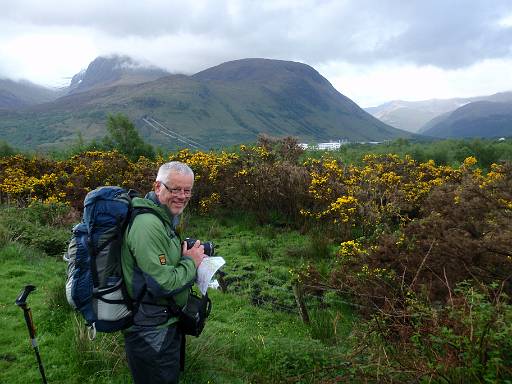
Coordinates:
(189, 258)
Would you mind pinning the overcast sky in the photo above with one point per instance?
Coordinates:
(372, 51)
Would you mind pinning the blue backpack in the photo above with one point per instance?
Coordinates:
(94, 283)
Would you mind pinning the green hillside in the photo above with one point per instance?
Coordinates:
(225, 105)
(478, 119)
(14, 94)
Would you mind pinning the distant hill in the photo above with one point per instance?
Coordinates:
(15, 94)
(412, 115)
(436, 120)
(107, 71)
(418, 116)
(478, 119)
(221, 106)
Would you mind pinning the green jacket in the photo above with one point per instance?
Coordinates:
(153, 268)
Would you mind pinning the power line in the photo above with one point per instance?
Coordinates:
(177, 134)
(172, 134)
(167, 132)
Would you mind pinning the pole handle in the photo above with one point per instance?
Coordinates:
(22, 298)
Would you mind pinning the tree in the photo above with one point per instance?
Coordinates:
(123, 136)
(5, 149)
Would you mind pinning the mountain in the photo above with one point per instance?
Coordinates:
(478, 119)
(228, 104)
(107, 71)
(413, 116)
(15, 94)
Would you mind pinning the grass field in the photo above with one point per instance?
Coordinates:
(253, 335)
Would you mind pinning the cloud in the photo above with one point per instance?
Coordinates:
(452, 34)
(447, 34)
(376, 84)
(369, 49)
(48, 56)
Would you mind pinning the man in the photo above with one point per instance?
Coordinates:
(158, 269)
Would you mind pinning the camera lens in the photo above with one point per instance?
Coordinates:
(209, 248)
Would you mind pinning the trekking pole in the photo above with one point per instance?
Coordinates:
(21, 302)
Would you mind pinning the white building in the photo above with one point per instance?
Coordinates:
(330, 146)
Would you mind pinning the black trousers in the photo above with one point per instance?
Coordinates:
(153, 354)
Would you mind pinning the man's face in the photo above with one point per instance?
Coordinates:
(175, 191)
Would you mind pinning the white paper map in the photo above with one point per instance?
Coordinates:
(206, 270)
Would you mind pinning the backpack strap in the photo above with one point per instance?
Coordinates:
(139, 211)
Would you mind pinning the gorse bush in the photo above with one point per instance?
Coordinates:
(410, 282)
(385, 192)
(267, 180)
(463, 231)
(262, 180)
(420, 244)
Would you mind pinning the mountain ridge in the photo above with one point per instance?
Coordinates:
(227, 104)
(110, 70)
(15, 94)
(483, 118)
(417, 116)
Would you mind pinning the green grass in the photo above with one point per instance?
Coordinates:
(20, 266)
(253, 335)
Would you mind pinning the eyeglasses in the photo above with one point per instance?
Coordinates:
(177, 191)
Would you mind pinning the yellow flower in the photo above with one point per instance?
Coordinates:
(469, 161)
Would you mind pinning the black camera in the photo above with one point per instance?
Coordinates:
(209, 248)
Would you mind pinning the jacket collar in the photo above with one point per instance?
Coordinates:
(175, 220)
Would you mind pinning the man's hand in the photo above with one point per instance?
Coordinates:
(196, 252)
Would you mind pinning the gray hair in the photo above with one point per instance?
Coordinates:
(173, 166)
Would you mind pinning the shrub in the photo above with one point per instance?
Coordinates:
(424, 319)
(51, 214)
(282, 361)
(464, 232)
(467, 341)
(51, 242)
(29, 227)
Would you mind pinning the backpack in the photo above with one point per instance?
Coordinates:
(95, 285)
